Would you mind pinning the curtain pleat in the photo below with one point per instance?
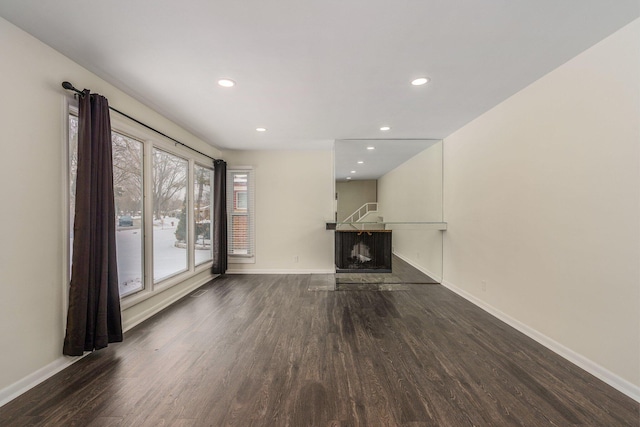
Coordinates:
(94, 317)
(219, 217)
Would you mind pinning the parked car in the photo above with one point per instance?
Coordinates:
(125, 221)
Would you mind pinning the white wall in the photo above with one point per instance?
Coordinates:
(542, 197)
(294, 200)
(412, 192)
(32, 217)
(353, 194)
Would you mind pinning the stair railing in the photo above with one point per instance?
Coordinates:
(362, 211)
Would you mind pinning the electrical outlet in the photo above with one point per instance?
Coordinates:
(295, 258)
(484, 285)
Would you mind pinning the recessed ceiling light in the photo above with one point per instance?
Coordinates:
(226, 83)
(371, 148)
(360, 162)
(348, 177)
(353, 171)
(261, 129)
(420, 81)
(385, 128)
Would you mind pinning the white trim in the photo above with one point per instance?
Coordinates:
(274, 271)
(191, 217)
(16, 389)
(27, 383)
(161, 305)
(425, 225)
(23, 385)
(241, 259)
(615, 381)
(433, 275)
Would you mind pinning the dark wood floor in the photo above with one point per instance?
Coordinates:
(402, 274)
(263, 350)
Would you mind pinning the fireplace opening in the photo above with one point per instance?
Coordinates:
(363, 251)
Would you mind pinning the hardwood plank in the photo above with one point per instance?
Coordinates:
(263, 350)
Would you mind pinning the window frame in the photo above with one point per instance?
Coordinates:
(193, 209)
(149, 140)
(143, 217)
(251, 214)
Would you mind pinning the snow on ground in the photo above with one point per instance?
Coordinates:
(167, 258)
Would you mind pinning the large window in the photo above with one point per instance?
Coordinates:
(240, 190)
(163, 202)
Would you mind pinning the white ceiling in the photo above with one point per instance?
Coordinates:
(312, 72)
(386, 155)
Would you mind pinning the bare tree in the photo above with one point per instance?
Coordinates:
(169, 175)
(169, 182)
(202, 178)
(127, 173)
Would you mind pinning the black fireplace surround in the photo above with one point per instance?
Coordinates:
(359, 251)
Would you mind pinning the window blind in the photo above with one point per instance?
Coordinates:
(240, 213)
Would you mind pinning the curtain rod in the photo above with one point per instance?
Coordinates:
(69, 86)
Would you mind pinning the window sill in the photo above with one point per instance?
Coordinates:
(167, 283)
(241, 259)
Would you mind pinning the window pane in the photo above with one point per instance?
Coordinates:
(127, 186)
(202, 213)
(241, 201)
(170, 231)
(239, 235)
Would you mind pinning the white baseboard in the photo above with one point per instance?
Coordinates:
(25, 384)
(615, 381)
(265, 271)
(434, 276)
(161, 305)
(7, 394)
(16, 389)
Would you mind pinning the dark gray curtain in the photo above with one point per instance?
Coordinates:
(219, 217)
(94, 318)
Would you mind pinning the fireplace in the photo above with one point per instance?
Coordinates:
(367, 251)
